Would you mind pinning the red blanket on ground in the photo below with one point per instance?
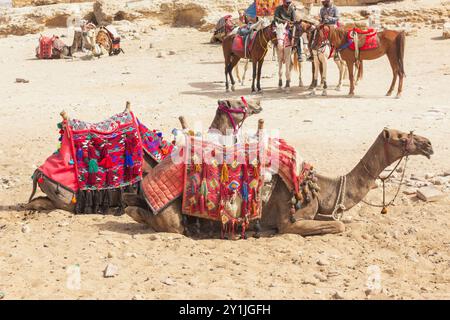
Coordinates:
(371, 39)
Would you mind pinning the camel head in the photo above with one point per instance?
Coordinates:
(399, 144)
(231, 113)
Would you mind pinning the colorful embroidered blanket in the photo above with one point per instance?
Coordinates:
(223, 183)
(106, 155)
(154, 143)
(367, 39)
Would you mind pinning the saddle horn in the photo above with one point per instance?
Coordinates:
(183, 122)
(64, 115)
(128, 106)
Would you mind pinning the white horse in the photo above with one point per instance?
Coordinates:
(284, 54)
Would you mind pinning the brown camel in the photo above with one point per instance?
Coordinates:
(256, 54)
(226, 117)
(336, 194)
(391, 43)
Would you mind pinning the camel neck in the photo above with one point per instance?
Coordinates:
(221, 122)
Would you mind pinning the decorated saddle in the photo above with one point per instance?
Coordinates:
(243, 41)
(362, 39)
(266, 7)
(95, 159)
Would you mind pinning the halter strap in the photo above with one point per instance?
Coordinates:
(229, 111)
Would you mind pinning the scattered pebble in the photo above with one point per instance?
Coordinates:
(430, 194)
(111, 270)
(321, 277)
(322, 262)
(20, 80)
(338, 295)
(153, 237)
(159, 55)
(137, 297)
(168, 281)
(171, 53)
(311, 281)
(26, 228)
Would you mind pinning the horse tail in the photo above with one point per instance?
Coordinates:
(401, 52)
(295, 60)
(35, 182)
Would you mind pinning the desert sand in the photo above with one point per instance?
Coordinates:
(410, 246)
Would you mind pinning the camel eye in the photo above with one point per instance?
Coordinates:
(399, 136)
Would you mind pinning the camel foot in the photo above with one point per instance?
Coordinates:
(40, 204)
(136, 214)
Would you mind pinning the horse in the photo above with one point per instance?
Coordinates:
(391, 43)
(257, 53)
(284, 53)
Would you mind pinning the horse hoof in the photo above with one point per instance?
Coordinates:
(227, 90)
(312, 94)
(232, 87)
(398, 96)
(338, 88)
(280, 89)
(388, 94)
(324, 93)
(351, 95)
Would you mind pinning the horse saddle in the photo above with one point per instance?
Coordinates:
(364, 39)
(243, 41)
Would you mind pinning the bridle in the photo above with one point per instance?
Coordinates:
(339, 207)
(406, 152)
(265, 46)
(230, 111)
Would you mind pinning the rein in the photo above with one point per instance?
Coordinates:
(264, 46)
(229, 112)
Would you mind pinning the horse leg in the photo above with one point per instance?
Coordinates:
(315, 73)
(287, 53)
(400, 85)
(280, 70)
(233, 63)
(245, 71)
(323, 59)
(352, 78)
(260, 64)
(236, 71)
(340, 66)
(392, 61)
(253, 76)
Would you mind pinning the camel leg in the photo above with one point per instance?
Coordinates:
(394, 73)
(169, 220)
(40, 204)
(312, 227)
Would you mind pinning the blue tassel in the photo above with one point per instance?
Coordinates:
(79, 154)
(245, 191)
(159, 134)
(128, 160)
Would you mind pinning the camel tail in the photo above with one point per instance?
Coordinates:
(401, 52)
(295, 62)
(33, 192)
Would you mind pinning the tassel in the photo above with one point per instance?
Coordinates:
(109, 178)
(93, 166)
(202, 203)
(74, 199)
(224, 175)
(92, 154)
(256, 171)
(40, 180)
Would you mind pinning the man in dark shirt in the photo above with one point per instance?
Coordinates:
(285, 12)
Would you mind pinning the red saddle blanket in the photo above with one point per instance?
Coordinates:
(239, 46)
(367, 39)
(163, 184)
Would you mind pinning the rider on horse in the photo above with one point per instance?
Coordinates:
(329, 15)
(286, 13)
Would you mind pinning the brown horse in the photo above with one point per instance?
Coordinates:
(391, 43)
(256, 54)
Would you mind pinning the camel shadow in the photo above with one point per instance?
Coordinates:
(438, 38)
(129, 228)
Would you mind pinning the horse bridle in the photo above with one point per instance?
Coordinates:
(406, 152)
(229, 112)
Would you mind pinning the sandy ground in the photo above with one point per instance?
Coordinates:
(409, 246)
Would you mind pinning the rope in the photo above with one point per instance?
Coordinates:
(339, 206)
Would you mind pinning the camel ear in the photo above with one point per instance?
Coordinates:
(386, 134)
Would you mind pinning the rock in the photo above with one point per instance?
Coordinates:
(337, 295)
(137, 297)
(446, 30)
(410, 191)
(379, 236)
(321, 277)
(21, 80)
(439, 181)
(26, 228)
(153, 237)
(446, 173)
(168, 281)
(311, 281)
(110, 255)
(171, 53)
(429, 175)
(323, 262)
(430, 194)
(317, 291)
(111, 270)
